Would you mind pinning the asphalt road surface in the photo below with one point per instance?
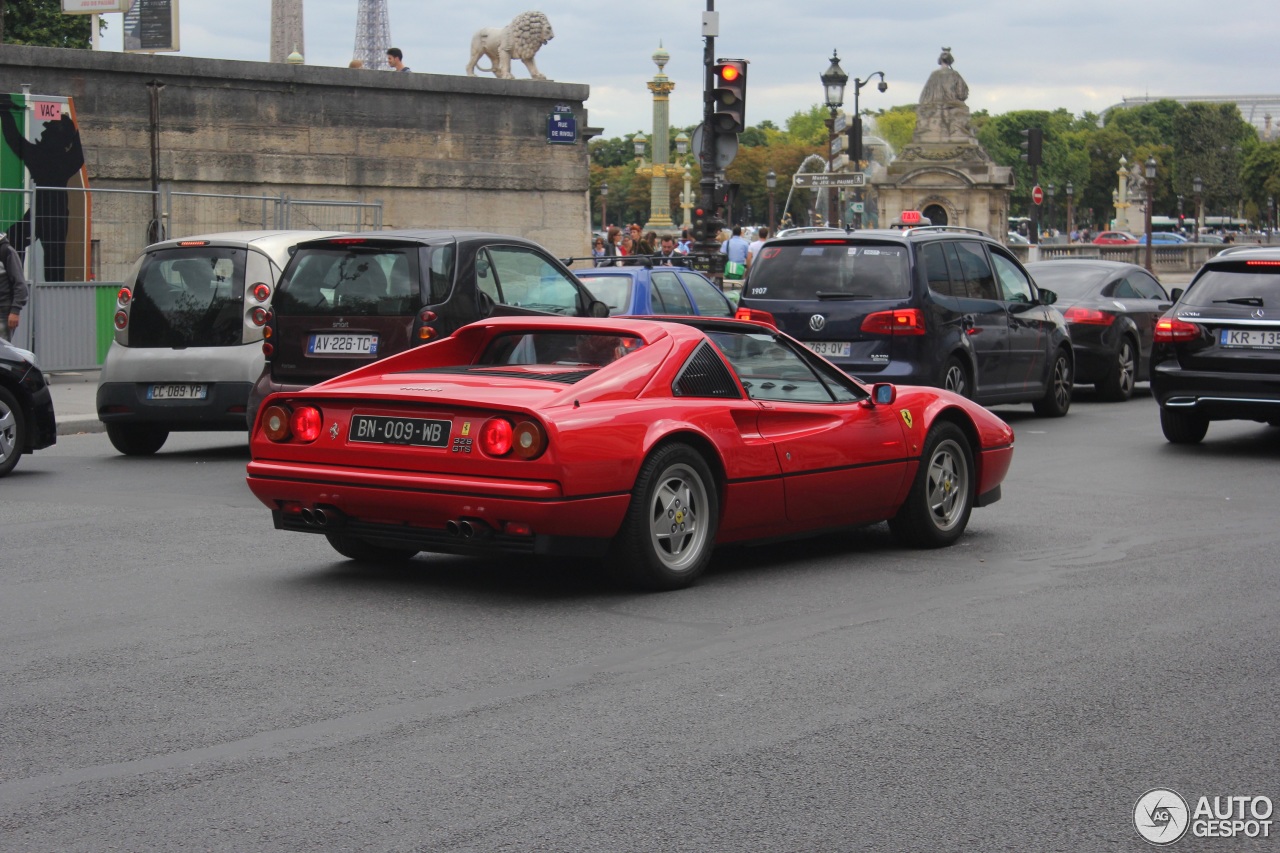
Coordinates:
(177, 675)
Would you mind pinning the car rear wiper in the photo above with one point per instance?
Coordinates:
(841, 295)
(1255, 301)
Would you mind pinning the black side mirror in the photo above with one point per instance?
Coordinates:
(1176, 293)
(598, 309)
(1047, 297)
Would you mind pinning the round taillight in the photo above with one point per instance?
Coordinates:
(528, 440)
(495, 437)
(124, 296)
(427, 315)
(304, 423)
(275, 423)
(261, 291)
(122, 320)
(426, 333)
(267, 349)
(259, 316)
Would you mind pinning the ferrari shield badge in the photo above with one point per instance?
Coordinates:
(906, 417)
(466, 427)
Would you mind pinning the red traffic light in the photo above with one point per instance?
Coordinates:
(729, 73)
(698, 211)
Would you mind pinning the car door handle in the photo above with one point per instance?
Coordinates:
(1164, 306)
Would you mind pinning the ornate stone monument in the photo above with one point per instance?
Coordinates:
(944, 173)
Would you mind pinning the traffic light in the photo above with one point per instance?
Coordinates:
(699, 225)
(855, 141)
(730, 96)
(1032, 147)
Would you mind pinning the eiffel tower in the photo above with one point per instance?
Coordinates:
(373, 34)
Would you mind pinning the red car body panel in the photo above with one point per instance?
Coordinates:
(782, 467)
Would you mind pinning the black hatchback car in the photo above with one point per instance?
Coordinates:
(26, 407)
(937, 305)
(1111, 310)
(1217, 351)
(345, 301)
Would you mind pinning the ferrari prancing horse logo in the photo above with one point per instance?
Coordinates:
(906, 417)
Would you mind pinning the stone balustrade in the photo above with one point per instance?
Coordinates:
(1187, 257)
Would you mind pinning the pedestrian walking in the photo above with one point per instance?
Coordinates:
(735, 248)
(395, 58)
(13, 288)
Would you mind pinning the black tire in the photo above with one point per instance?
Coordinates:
(1057, 395)
(937, 508)
(955, 377)
(13, 431)
(364, 551)
(137, 439)
(669, 531)
(1183, 427)
(1117, 385)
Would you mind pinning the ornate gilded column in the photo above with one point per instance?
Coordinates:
(661, 170)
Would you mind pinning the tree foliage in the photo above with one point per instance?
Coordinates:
(1213, 141)
(43, 24)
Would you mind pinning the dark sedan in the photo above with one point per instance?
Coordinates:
(1111, 310)
(1217, 353)
(26, 408)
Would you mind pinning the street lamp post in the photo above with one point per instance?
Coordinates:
(771, 182)
(1051, 189)
(833, 83)
(855, 136)
(1151, 189)
(604, 208)
(1071, 213)
(1271, 217)
(1197, 185)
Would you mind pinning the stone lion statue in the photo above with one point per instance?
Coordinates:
(520, 39)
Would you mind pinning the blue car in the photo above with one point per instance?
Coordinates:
(649, 288)
(1162, 238)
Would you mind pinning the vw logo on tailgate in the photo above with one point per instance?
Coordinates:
(817, 322)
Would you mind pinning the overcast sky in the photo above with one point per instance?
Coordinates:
(1083, 55)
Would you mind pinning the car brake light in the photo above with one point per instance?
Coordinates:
(193, 242)
(304, 423)
(1262, 263)
(426, 331)
(275, 423)
(259, 316)
(1170, 330)
(754, 315)
(122, 320)
(495, 437)
(124, 297)
(261, 291)
(528, 439)
(903, 321)
(828, 242)
(348, 241)
(1089, 316)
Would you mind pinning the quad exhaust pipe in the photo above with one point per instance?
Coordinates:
(320, 517)
(468, 528)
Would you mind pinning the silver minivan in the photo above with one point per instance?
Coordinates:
(188, 342)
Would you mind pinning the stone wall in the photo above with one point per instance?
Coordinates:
(436, 150)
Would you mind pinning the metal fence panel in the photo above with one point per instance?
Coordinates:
(333, 215)
(211, 213)
(68, 325)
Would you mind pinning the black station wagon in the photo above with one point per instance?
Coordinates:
(348, 300)
(936, 305)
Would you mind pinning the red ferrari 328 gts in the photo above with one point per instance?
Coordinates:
(641, 440)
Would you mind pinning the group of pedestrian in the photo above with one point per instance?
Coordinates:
(616, 244)
(395, 58)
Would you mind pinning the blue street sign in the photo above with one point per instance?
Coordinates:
(562, 128)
